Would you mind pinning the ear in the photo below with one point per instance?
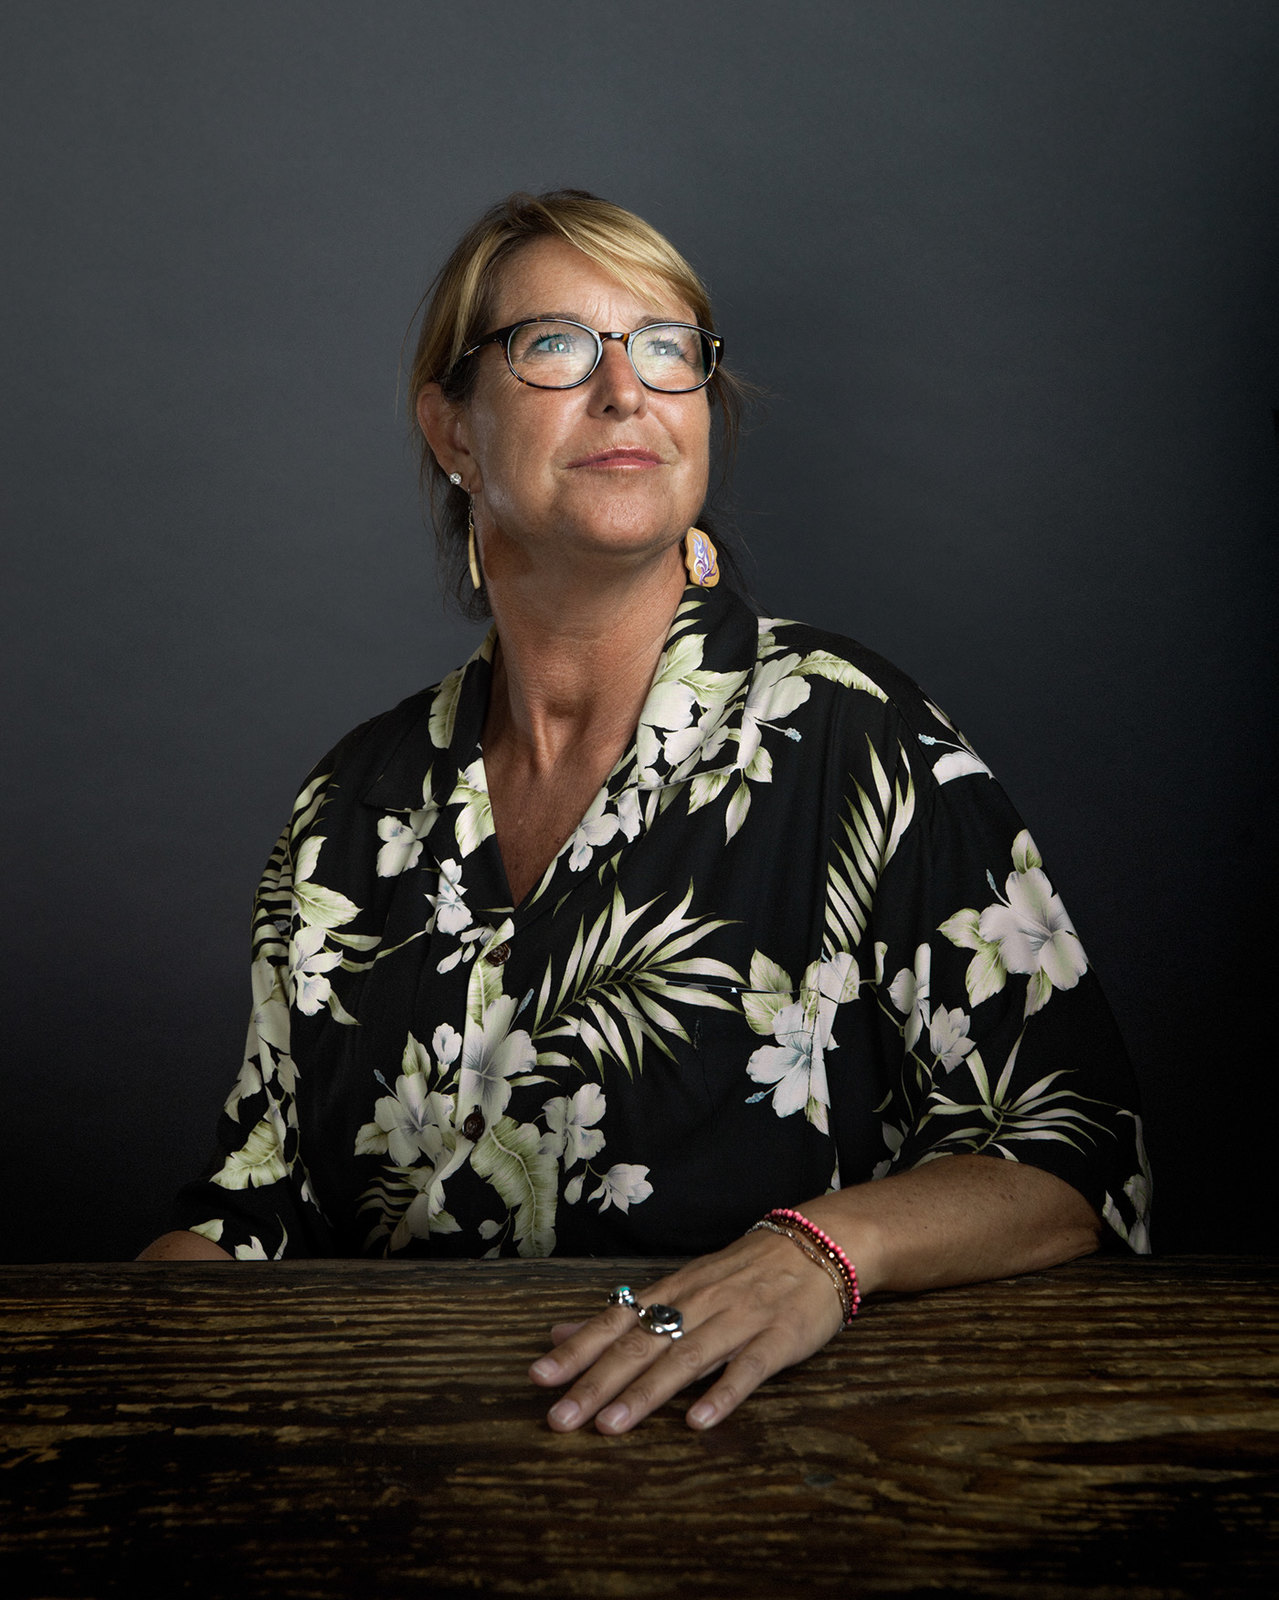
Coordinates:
(442, 422)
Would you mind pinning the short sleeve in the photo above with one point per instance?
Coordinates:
(1004, 1043)
(255, 1199)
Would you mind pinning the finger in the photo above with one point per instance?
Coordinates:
(606, 1377)
(682, 1362)
(564, 1330)
(740, 1378)
(750, 1343)
(610, 1353)
(576, 1351)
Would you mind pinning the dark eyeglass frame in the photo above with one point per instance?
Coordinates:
(503, 336)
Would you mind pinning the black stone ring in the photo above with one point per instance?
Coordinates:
(662, 1319)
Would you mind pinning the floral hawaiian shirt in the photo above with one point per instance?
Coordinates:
(799, 940)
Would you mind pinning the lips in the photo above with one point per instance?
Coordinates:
(619, 456)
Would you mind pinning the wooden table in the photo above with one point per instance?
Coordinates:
(347, 1429)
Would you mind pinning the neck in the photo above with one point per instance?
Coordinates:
(576, 660)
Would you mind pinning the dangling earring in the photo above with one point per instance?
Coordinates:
(471, 553)
(700, 559)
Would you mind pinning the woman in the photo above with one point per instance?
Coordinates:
(655, 921)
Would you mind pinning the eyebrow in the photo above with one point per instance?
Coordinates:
(650, 319)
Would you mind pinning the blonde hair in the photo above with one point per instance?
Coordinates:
(458, 309)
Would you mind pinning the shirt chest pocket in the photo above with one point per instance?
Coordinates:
(742, 1028)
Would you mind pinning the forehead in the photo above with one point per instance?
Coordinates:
(553, 277)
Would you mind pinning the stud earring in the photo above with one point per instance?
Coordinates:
(472, 554)
(700, 559)
(455, 478)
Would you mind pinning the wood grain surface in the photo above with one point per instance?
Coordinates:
(341, 1429)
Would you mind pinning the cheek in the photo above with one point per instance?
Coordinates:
(694, 428)
(696, 449)
(513, 431)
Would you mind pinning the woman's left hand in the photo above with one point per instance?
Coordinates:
(753, 1308)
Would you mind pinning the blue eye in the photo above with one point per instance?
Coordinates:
(671, 344)
(543, 341)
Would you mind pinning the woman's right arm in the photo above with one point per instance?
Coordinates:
(182, 1245)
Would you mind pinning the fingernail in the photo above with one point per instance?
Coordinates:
(544, 1370)
(702, 1414)
(565, 1414)
(615, 1416)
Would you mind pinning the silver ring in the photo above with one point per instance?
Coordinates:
(624, 1295)
(662, 1319)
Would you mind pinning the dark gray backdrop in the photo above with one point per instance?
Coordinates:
(1007, 270)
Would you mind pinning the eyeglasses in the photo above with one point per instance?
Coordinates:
(550, 353)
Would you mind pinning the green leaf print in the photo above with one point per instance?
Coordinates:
(525, 1178)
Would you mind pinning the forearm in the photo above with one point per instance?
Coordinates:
(959, 1219)
(184, 1246)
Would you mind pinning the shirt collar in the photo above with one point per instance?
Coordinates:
(690, 725)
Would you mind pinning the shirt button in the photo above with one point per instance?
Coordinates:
(498, 954)
(473, 1127)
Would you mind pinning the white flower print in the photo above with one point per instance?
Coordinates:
(492, 1054)
(776, 690)
(407, 1124)
(684, 702)
(1033, 931)
(469, 942)
(704, 738)
(450, 911)
(623, 1186)
(670, 700)
(796, 1064)
(403, 840)
(788, 1064)
(957, 764)
(410, 1119)
(960, 759)
(447, 1044)
(308, 962)
(835, 982)
(570, 1136)
(1029, 931)
(948, 1037)
(909, 993)
(600, 826)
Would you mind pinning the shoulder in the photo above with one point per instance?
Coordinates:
(874, 674)
(385, 760)
(360, 756)
(857, 692)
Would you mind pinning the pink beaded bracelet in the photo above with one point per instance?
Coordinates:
(824, 1242)
(817, 1256)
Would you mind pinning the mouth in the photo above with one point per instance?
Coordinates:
(620, 456)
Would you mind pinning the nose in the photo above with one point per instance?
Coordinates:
(614, 386)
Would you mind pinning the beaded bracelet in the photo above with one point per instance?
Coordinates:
(796, 1219)
(816, 1257)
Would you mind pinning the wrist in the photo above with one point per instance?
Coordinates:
(860, 1237)
(822, 1250)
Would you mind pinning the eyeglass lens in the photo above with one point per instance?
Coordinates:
(556, 355)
